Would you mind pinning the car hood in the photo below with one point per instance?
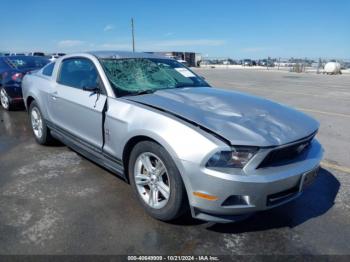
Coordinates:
(239, 118)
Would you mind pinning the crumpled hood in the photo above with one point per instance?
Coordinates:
(240, 118)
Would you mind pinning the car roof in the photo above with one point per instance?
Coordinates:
(23, 56)
(123, 54)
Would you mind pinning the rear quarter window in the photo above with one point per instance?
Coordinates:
(47, 70)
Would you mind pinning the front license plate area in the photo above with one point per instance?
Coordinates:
(308, 178)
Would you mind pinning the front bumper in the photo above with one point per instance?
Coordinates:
(16, 101)
(239, 193)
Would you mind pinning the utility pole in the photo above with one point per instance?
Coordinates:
(279, 63)
(267, 62)
(133, 34)
(319, 65)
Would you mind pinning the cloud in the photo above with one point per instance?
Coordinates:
(70, 43)
(169, 34)
(108, 28)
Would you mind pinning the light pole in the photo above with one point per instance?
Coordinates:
(133, 34)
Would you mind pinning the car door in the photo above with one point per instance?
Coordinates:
(75, 110)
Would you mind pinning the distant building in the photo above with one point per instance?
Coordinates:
(191, 58)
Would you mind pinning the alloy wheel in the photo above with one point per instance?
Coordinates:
(4, 99)
(37, 122)
(152, 180)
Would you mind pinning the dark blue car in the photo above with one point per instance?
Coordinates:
(12, 70)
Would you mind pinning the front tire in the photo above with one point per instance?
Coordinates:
(157, 182)
(40, 130)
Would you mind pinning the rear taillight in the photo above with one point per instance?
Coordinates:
(17, 77)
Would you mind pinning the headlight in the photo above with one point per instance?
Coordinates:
(237, 158)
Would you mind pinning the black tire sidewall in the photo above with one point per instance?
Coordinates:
(177, 203)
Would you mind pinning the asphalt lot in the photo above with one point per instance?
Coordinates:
(53, 201)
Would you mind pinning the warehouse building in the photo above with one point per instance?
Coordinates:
(191, 58)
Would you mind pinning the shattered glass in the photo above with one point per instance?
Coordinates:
(133, 75)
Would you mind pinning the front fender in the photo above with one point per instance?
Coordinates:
(125, 120)
(183, 141)
(151, 135)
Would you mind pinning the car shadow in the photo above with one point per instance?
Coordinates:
(314, 202)
(187, 220)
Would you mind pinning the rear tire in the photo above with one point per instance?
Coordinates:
(157, 182)
(5, 100)
(39, 127)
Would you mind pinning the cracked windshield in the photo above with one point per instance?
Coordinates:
(143, 75)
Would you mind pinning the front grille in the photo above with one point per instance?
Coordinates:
(287, 154)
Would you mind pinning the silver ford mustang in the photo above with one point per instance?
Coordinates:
(181, 144)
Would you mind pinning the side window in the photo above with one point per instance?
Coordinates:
(48, 69)
(78, 73)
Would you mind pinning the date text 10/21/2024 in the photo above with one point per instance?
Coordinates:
(173, 258)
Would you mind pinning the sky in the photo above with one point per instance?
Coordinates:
(225, 28)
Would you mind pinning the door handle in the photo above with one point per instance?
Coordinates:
(54, 95)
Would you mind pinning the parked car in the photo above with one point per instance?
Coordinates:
(12, 70)
(54, 56)
(346, 65)
(178, 141)
(247, 62)
(36, 54)
(16, 54)
(266, 62)
(229, 62)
